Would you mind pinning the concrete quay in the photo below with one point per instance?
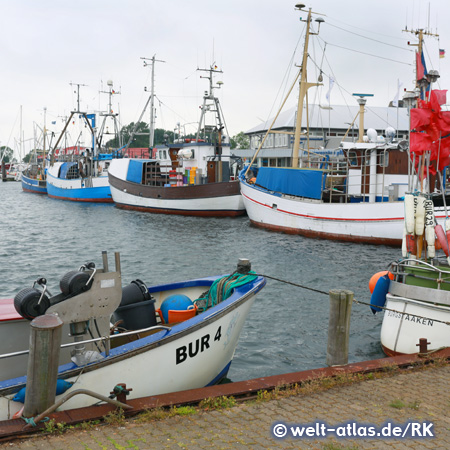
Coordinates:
(400, 394)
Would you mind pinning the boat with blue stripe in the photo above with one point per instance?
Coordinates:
(153, 339)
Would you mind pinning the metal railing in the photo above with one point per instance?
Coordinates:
(104, 339)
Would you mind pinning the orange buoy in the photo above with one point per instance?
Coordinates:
(376, 276)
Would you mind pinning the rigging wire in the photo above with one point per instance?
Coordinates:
(362, 29)
(371, 39)
(368, 54)
(284, 82)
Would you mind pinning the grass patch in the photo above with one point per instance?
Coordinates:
(222, 402)
(116, 417)
(397, 404)
(53, 427)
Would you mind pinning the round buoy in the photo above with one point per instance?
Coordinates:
(176, 302)
(375, 278)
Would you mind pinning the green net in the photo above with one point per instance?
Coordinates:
(222, 288)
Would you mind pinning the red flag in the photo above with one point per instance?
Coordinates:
(443, 122)
(420, 69)
(438, 98)
(444, 153)
(420, 118)
(420, 142)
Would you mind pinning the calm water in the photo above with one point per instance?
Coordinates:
(287, 327)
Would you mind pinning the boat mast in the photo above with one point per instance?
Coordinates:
(45, 132)
(432, 75)
(209, 95)
(411, 98)
(152, 99)
(53, 151)
(214, 103)
(111, 114)
(304, 85)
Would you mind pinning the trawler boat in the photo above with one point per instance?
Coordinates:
(195, 177)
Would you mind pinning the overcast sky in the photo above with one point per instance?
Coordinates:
(48, 44)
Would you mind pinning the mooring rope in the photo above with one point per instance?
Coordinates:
(294, 284)
(354, 300)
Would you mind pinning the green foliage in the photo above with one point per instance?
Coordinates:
(217, 402)
(116, 417)
(240, 141)
(54, 427)
(397, 404)
(182, 411)
(6, 153)
(141, 137)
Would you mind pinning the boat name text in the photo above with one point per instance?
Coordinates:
(194, 348)
(420, 320)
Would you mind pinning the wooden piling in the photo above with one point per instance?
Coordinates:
(339, 327)
(43, 361)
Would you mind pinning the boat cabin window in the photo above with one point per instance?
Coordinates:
(353, 158)
(383, 159)
(73, 172)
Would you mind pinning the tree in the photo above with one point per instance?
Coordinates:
(6, 154)
(141, 136)
(240, 141)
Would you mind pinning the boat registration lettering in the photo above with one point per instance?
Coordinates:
(196, 347)
(411, 318)
(107, 283)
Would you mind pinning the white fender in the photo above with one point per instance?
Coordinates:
(429, 228)
(420, 215)
(409, 213)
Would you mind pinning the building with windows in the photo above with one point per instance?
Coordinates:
(328, 127)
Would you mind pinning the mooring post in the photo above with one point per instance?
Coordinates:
(43, 360)
(339, 327)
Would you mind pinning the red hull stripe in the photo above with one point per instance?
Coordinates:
(390, 219)
(90, 200)
(209, 213)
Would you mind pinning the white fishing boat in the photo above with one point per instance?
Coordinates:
(418, 307)
(354, 195)
(193, 176)
(81, 173)
(416, 293)
(163, 338)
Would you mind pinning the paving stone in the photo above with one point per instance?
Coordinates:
(249, 425)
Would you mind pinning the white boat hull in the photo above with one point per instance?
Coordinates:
(91, 189)
(400, 333)
(194, 206)
(192, 354)
(218, 199)
(374, 223)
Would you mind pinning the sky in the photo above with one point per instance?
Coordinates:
(48, 46)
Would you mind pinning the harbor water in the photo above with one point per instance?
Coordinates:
(287, 328)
